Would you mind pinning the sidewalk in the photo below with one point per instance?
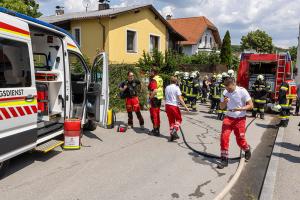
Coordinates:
(283, 177)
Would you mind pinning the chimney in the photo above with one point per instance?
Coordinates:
(169, 17)
(59, 10)
(103, 5)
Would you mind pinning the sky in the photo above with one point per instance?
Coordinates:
(279, 18)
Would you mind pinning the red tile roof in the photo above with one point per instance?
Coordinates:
(193, 28)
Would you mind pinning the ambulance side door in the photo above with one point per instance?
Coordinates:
(98, 91)
(18, 103)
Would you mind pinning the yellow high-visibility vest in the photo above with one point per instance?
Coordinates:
(160, 87)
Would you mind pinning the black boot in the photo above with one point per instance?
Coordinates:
(285, 124)
(173, 135)
(156, 132)
(248, 154)
(262, 115)
(253, 114)
(280, 124)
(223, 163)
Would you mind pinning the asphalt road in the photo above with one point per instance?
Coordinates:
(131, 165)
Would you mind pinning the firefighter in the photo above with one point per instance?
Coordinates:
(215, 92)
(156, 94)
(192, 91)
(183, 86)
(205, 89)
(222, 112)
(285, 103)
(261, 90)
(129, 90)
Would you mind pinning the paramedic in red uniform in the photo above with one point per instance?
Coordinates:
(130, 90)
(156, 94)
(238, 101)
(173, 97)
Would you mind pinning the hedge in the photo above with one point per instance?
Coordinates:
(117, 74)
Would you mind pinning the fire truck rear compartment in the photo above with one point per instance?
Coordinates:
(268, 69)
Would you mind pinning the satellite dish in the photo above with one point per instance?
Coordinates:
(86, 4)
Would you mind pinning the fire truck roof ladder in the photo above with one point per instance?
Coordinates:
(280, 72)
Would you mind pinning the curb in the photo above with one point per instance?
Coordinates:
(270, 178)
(232, 182)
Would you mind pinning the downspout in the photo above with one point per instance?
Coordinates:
(103, 34)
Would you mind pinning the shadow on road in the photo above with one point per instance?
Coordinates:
(24, 160)
(289, 146)
(266, 125)
(91, 135)
(288, 157)
(210, 117)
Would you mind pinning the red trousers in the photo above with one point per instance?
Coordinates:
(132, 104)
(238, 126)
(174, 116)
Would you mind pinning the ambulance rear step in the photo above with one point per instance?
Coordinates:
(48, 146)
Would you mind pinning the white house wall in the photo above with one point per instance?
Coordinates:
(208, 33)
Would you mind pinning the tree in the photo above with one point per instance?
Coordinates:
(293, 52)
(27, 7)
(257, 40)
(226, 51)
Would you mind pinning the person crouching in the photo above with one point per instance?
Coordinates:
(173, 97)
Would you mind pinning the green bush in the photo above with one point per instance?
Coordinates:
(117, 74)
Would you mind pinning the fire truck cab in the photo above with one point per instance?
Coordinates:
(44, 80)
(276, 68)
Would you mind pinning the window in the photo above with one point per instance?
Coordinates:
(15, 68)
(210, 41)
(154, 42)
(77, 35)
(41, 62)
(205, 41)
(131, 41)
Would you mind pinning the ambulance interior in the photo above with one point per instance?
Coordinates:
(268, 69)
(49, 74)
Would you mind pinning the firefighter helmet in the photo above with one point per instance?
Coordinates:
(186, 75)
(260, 77)
(276, 108)
(230, 73)
(224, 75)
(219, 77)
(177, 73)
(193, 75)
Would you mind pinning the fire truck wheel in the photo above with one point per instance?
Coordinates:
(3, 167)
(90, 125)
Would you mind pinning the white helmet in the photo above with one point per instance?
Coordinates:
(177, 73)
(193, 75)
(224, 75)
(230, 73)
(276, 108)
(219, 77)
(260, 77)
(186, 75)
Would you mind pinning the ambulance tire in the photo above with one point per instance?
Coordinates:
(3, 167)
(90, 125)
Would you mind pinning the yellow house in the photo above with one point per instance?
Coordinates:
(124, 33)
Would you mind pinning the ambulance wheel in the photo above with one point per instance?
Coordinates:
(90, 125)
(3, 168)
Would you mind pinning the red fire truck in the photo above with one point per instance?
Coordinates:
(276, 68)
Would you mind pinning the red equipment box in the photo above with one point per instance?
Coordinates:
(72, 133)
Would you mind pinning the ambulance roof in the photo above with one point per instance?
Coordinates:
(36, 21)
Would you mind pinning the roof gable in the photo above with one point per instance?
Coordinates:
(193, 28)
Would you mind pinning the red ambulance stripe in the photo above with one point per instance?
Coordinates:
(5, 113)
(13, 112)
(1, 117)
(13, 28)
(27, 109)
(21, 111)
(34, 109)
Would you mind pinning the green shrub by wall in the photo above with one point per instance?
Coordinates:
(117, 74)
